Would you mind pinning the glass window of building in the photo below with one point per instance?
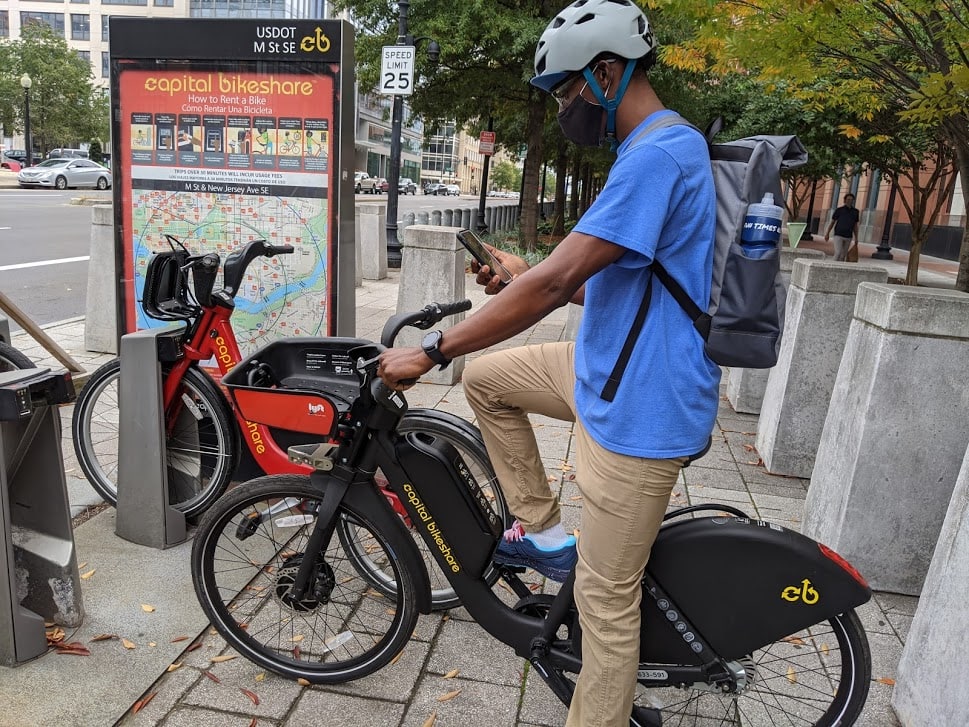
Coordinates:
(84, 54)
(54, 20)
(105, 64)
(124, 2)
(164, 3)
(81, 2)
(80, 27)
(4, 24)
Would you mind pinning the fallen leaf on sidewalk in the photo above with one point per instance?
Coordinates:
(261, 676)
(179, 638)
(302, 682)
(127, 644)
(253, 723)
(55, 635)
(146, 608)
(253, 697)
(75, 648)
(749, 447)
(104, 637)
(224, 657)
(212, 676)
(142, 703)
(886, 680)
(791, 677)
(449, 696)
(397, 658)
(173, 667)
(193, 647)
(85, 576)
(451, 674)
(431, 719)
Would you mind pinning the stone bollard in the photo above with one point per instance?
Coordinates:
(466, 218)
(490, 217)
(931, 688)
(422, 218)
(373, 240)
(431, 271)
(819, 309)
(447, 219)
(436, 218)
(745, 387)
(895, 433)
(101, 324)
(357, 253)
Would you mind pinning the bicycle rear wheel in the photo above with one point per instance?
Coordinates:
(245, 556)
(819, 676)
(202, 443)
(12, 360)
(467, 440)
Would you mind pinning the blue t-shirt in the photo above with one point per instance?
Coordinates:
(658, 202)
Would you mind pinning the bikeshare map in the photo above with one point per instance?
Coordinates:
(218, 159)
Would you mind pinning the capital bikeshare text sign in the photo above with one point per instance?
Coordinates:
(227, 131)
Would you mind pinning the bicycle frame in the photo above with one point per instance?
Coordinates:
(212, 336)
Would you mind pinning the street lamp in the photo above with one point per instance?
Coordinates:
(396, 128)
(27, 83)
(884, 250)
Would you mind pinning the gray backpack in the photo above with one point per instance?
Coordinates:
(744, 318)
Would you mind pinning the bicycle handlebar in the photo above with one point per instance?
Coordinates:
(423, 319)
(236, 264)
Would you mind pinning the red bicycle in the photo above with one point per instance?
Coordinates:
(204, 430)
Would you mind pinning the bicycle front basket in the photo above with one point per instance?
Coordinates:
(165, 297)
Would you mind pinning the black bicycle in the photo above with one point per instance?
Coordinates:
(743, 621)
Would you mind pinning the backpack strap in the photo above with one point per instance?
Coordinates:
(701, 321)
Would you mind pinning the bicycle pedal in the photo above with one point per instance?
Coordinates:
(317, 456)
(645, 717)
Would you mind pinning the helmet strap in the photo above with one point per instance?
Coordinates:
(610, 105)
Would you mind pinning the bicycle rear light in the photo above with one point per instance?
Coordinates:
(844, 564)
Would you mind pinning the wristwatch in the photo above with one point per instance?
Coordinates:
(430, 344)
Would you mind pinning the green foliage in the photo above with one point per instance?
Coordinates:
(95, 152)
(65, 106)
(505, 175)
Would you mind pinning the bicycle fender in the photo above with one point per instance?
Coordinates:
(374, 505)
(741, 584)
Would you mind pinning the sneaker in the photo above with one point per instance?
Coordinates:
(516, 548)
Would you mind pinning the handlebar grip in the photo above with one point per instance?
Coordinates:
(449, 309)
(279, 250)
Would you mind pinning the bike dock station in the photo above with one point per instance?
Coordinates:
(144, 513)
(39, 580)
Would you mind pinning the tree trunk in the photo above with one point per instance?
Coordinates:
(962, 162)
(561, 171)
(528, 224)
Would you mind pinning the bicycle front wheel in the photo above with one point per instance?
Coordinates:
(245, 557)
(12, 360)
(202, 441)
(467, 440)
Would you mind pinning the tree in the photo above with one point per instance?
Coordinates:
(95, 153)
(505, 175)
(901, 59)
(65, 106)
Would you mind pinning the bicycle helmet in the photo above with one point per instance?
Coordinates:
(585, 29)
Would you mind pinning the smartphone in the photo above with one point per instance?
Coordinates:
(484, 257)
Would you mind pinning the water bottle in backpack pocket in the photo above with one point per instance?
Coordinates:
(762, 228)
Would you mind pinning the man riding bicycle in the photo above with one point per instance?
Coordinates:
(658, 203)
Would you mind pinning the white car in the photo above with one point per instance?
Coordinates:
(453, 190)
(64, 173)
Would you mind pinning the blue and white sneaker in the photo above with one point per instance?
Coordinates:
(516, 548)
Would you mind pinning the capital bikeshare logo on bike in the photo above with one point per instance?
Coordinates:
(432, 528)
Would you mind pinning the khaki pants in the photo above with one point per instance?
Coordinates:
(624, 499)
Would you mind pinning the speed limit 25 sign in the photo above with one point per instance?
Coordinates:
(397, 70)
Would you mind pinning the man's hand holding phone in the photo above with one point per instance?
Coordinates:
(493, 267)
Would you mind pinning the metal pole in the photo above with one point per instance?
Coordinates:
(30, 155)
(396, 129)
(884, 247)
(480, 225)
(810, 212)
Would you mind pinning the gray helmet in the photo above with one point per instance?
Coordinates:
(585, 29)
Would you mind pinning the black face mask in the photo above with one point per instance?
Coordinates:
(581, 122)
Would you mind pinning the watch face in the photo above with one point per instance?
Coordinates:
(431, 340)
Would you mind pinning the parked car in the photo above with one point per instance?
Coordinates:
(384, 186)
(406, 186)
(60, 153)
(20, 155)
(8, 162)
(451, 190)
(64, 173)
(363, 182)
(432, 187)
